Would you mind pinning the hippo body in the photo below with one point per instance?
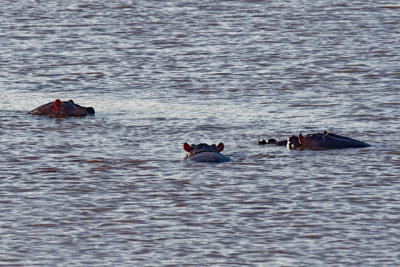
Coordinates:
(205, 153)
(325, 140)
(62, 109)
(318, 141)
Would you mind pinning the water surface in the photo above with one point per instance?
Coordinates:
(113, 190)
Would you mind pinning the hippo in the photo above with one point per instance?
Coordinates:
(272, 141)
(62, 109)
(205, 153)
(317, 141)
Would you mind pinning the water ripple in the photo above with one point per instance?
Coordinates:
(112, 189)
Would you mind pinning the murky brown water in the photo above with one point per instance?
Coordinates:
(112, 189)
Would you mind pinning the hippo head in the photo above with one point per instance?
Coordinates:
(205, 153)
(312, 140)
(293, 142)
(61, 109)
(195, 149)
(308, 141)
(70, 109)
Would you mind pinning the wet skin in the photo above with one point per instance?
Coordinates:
(62, 109)
(318, 141)
(205, 153)
(272, 142)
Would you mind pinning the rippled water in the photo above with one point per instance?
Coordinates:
(113, 190)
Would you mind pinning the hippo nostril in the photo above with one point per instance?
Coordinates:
(90, 110)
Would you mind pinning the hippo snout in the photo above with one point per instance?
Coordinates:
(90, 111)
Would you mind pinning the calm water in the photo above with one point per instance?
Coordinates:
(112, 189)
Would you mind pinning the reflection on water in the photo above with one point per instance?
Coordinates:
(112, 189)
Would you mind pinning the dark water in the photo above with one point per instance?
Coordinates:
(112, 189)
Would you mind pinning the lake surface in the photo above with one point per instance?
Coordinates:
(113, 190)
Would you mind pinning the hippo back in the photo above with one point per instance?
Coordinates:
(338, 141)
(325, 140)
(45, 109)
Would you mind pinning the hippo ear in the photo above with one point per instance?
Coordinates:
(57, 104)
(71, 101)
(220, 147)
(186, 147)
(301, 138)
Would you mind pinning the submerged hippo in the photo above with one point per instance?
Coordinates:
(205, 153)
(318, 141)
(61, 109)
(273, 142)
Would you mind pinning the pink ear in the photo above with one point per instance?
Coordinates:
(301, 138)
(186, 147)
(220, 147)
(57, 104)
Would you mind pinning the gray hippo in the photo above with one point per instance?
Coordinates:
(317, 141)
(205, 153)
(61, 109)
